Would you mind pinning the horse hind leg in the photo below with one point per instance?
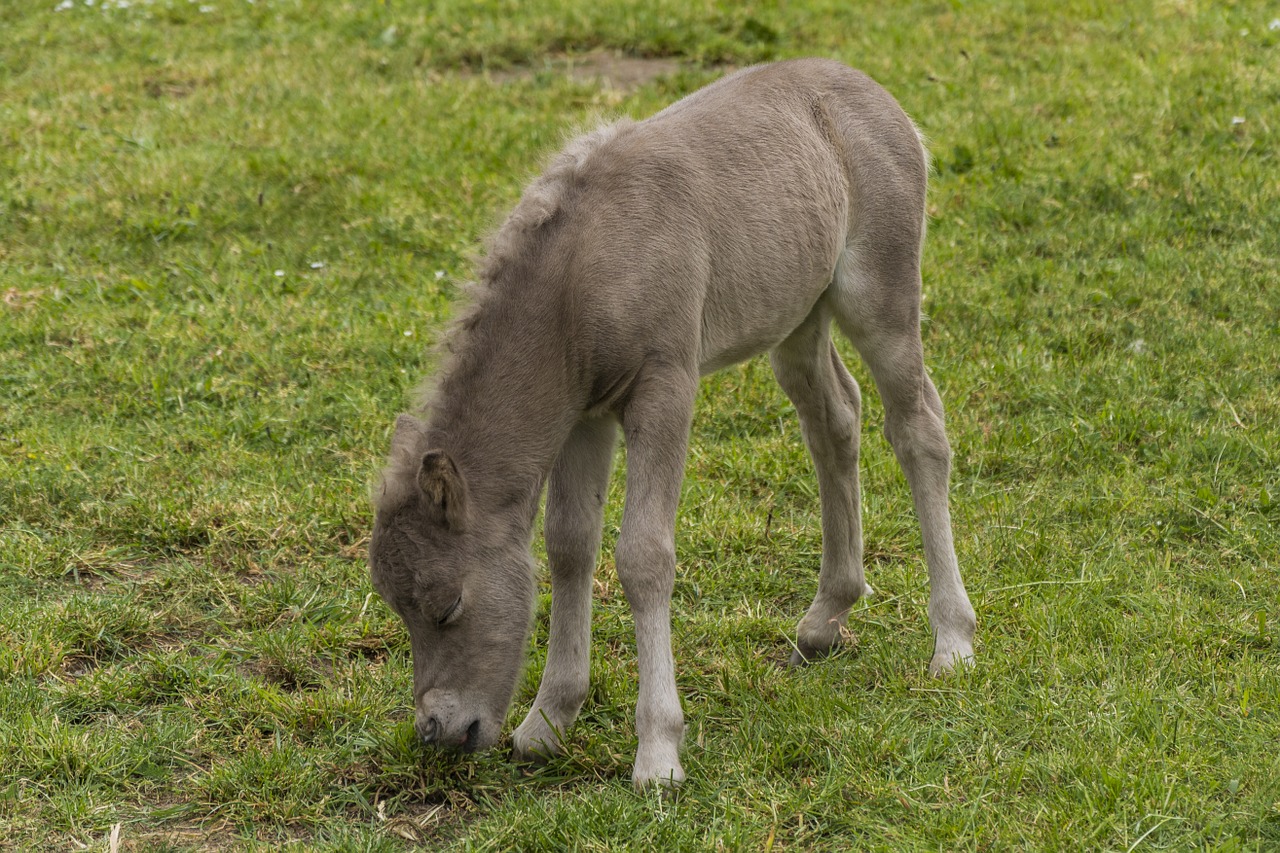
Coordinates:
(878, 307)
(828, 402)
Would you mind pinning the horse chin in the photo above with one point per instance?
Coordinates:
(485, 736)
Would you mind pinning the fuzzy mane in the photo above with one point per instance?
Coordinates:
(542, 199)
(541, 202)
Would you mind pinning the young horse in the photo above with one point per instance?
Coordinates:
(742, 219)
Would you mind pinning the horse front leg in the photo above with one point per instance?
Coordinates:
(576, 494)
(656, 423)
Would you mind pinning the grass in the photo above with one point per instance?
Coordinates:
(229, 233)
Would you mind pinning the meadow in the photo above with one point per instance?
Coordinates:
(231, 231)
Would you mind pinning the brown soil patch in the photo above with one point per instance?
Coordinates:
(608, 70)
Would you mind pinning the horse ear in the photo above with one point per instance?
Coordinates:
(444, 489)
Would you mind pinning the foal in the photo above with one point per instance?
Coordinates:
(742, 219)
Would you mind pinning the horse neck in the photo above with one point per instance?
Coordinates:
(504, 409)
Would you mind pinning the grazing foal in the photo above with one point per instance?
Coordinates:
(740, 220)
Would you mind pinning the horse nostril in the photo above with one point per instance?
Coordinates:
(430, 730)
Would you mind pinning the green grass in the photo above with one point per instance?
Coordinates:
(229, 237)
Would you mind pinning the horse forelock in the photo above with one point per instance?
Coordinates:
(397, 480)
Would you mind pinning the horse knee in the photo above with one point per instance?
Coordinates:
(572, 530)
(571, 545)
(646, 564)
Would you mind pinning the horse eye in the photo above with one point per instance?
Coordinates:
(450, 612)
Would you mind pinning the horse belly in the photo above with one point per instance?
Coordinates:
(760, 295)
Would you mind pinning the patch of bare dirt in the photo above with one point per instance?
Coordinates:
(169, 87)
(608, 70)
(19, 299)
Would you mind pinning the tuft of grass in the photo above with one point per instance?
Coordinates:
(230, 233)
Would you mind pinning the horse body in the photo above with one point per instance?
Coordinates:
(742, 219)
